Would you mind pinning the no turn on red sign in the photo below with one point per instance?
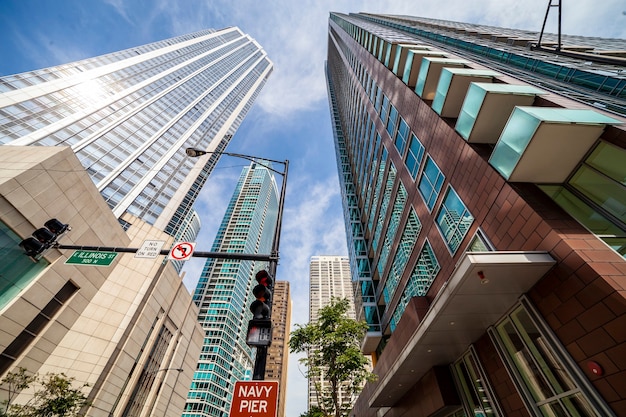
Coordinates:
(181, 251)
(254, 399)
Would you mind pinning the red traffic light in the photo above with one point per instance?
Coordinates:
(264, 278)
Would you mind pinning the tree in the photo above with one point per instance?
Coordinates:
(56, 397)
(332, 344)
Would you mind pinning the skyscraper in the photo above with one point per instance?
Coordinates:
(329, 277)
(224, 293)
(114, 127)
(483, 189)
(129, 116)
(278, 352)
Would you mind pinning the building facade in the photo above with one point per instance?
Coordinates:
(128, 330)
(278, 352)
(329, 277)
(224, 293)
(130, 115)
(484, 195)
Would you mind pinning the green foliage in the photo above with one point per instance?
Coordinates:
(332, 344)
(55, 397)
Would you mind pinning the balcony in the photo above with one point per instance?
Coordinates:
(429, 72)
(488, 106)
(452, 88)
(414, 62)
(544, 145)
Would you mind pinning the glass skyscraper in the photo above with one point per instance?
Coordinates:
(483, 188)
(224, 293)
(129, 116)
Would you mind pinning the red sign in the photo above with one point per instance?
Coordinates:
(181, 251)
(254, 399)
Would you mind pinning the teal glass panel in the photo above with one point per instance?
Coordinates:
(388, 54)
(421, 77)
(16, 269)
(396, 60)
(469, 111)
(513, 141)
(406, 74)
(608, 194)
(445, 79)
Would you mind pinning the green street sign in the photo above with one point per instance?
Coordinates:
(91, 257)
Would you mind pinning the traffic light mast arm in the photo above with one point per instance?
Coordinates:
(196, 254)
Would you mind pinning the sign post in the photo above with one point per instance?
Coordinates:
(254, 399)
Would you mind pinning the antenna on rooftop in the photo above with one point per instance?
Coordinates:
(557, 3)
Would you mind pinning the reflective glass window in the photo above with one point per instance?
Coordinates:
(453, 219)
(430, 183)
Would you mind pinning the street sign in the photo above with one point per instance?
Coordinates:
(150, 249)
(181, 251)
(254, 399)
(91, 257)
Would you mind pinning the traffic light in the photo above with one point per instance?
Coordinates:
(44, 238)
(261, 307)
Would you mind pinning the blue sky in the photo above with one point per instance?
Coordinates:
(290, 119)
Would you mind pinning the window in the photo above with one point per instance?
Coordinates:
(414, 156)
(454, 220)
(474, 388)
(392, 121)
(422, 277)
(547, 383)
(17, 273)
(430, 183)
(402, 136)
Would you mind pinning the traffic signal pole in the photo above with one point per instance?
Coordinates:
(261, 351)
(35, 246)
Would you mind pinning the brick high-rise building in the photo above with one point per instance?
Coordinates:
(484, 199)
(278, 352)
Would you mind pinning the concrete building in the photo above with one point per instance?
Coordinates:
(278, 352)
(224, 293)
(484, 198)
(127, 330)
(329, 277)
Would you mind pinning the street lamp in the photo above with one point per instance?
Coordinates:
(261, 351)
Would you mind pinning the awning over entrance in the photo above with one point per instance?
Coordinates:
(483, 287)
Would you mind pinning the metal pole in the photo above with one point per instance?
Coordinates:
(261, 351)
(196, 254)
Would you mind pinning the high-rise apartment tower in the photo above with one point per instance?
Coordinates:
(129, 116)
(484, 200)
(329, 277)
(224, 293)
(99, 144)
